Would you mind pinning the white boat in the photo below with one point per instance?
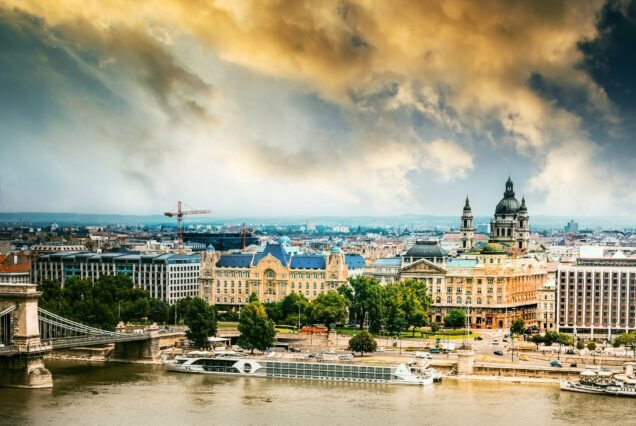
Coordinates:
(294, 369)
(602, 381)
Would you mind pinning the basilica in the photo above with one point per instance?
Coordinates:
(509, 228)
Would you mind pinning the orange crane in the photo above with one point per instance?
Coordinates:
(179, 214)
(244, 232)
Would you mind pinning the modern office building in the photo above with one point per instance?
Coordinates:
(169, 277)
(597, 297)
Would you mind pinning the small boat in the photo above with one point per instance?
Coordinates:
(295, 369)
(602, 381)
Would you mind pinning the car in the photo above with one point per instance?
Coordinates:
(312, 355)
(570, 352)
(505, 340)
(434, 350)
(574, 365)
(423, 355)
(330, 351)
(294, 349)
(479, 338)
(500, 353)
(555, 363)
(495, 342)
(345, 357)
(507, 335)
(523, 358)
(380, 349)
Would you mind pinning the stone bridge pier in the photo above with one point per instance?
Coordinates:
(138, 350)
(21, 360)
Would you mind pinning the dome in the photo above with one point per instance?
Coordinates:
(508, 205)
(493, 248)
(426, 250)
(336, 249)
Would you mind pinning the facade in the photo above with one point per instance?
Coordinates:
(546, 304)
(510, 226)
(429, 250)
(168, 277)
(597, 297)
(493, 288)
(385, 270)
(15, 269)
(229, 279)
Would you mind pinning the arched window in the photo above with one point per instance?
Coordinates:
(459, 299)
(469, 300)
(479, 300)
(509, 232)
(438, 300)
(449, 299)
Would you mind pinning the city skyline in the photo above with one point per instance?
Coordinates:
(346, 108)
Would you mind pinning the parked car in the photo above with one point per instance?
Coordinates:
(294, 349)
(434, 350)
(380, 349)
(505, 340)
(495, 342)
(423, 355)
(523, 358)
(500, 353)
(479, 338)
(555, 363)
(570, 352)
(573, 365)
(345, 357)
(330, 351)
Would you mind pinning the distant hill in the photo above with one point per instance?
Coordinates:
(409, 221)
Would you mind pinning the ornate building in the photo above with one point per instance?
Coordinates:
(228, 279)
(510, 226)
(467, 230)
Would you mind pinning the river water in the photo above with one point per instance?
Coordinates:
(126, 394)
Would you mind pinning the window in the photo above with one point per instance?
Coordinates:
(459, 299)
(449, 299)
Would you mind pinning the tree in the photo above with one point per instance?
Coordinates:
(580, 345)
(257, 330)
(518, 326)
(363, 342)
(159, 311)
(394, 315)
(328, 308)
(364, 296)
(415, 303)
(253, 298)
(455, 318)
(628, 340)
(201, 321)
(591, 346)
(434, 327)
(537, 339)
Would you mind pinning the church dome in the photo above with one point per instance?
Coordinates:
(508, 204)
(493, 248)
(426, 250)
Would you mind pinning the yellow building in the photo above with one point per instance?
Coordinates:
(492, 286)
(229, 279)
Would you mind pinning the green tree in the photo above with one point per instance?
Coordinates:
(365, 299)
(253, 298)
(434, 327)
(415, 303)
(257, 330)
(518, 326)
(328, 308)
(537, 339)
(580, 345)
(591, 346)
(201, 321)
(394, 316)
(628, 340)
(363, 342)
(456, 318)
(159, 311)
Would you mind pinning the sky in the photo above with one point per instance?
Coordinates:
(304, 108)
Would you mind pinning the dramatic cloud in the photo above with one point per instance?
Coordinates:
(362, 102)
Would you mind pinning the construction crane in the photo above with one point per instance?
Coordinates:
(179, 214)
(244, 231)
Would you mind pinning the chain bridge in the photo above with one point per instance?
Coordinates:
(27, 332)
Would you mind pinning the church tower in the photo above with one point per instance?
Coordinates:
(467, 229)
(523, 232)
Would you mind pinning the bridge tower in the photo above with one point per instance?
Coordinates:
(22, 351)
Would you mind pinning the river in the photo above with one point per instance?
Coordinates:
(119, 394)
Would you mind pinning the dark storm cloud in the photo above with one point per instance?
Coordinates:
(77, 75)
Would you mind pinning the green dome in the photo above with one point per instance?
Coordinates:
(493, 248)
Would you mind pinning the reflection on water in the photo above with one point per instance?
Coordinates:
(108, 394)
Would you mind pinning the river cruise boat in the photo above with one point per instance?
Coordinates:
(293, 369)
(602, 381)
